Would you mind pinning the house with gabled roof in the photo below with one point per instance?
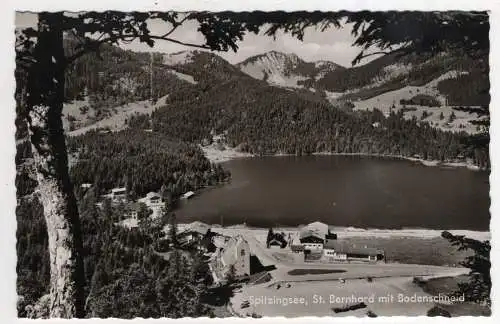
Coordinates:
(154, 202)
(235, 253)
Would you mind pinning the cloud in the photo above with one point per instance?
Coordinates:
(334, 44)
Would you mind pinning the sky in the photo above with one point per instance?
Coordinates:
(332, 45)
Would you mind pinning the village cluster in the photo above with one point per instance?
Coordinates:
(230, 251)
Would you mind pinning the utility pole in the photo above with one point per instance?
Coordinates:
(151, 76)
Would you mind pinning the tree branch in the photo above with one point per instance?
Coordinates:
(177, 24)
(179, 42)
(95, 45)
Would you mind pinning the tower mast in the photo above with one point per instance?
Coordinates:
(151, 76)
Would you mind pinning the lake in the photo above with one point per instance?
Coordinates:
(357, 191)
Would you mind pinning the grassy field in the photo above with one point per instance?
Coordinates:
(431, 251)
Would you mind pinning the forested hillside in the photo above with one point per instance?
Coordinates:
(262, 119)
(97, 84)
(125, 276)
(142, 162)
(469, 87)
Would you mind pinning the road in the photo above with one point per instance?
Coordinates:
(352, 270)
(389, 279)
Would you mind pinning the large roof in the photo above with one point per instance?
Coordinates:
(320, 228)
(306, 232)
(198, 227)
(344, 247)
(153, 194)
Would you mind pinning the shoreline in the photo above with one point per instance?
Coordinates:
(354, 232)
(216, 155)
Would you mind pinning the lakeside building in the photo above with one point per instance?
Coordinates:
(187, 195)
(311, 240)
(334, 251)
(193, 232)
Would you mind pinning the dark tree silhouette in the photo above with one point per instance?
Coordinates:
(270, 235)
(478, 288)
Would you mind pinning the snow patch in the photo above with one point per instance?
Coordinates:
(185, 77)
(386, 101)
(116, 122)
(273, 69)
(178, 58)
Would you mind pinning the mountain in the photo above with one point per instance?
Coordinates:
(199, 94)
(252, 116)
(389, 83)
(285, 70)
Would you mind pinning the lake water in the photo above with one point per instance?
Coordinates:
(355, 191)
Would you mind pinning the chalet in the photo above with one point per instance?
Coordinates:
(195, 231)
(86, 185)
(132, 211)
(118, 194)
(152, 199)
(275, 243)
(312, 240)
(154, 202)
(334, 250)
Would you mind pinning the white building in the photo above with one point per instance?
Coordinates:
(118, 194)
(334, 250)
(312, 240)
(236, 253)
(187, 195)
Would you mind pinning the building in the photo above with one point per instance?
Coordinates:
(319, 227)
(275, 243)
(235, 253)
(334, 250)
(154, 202)
(118, 195)
(132, 211)
(193, 232)
(311, 240)
(296, 246)
(187, 195)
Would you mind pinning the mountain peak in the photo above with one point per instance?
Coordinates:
(285, 69)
